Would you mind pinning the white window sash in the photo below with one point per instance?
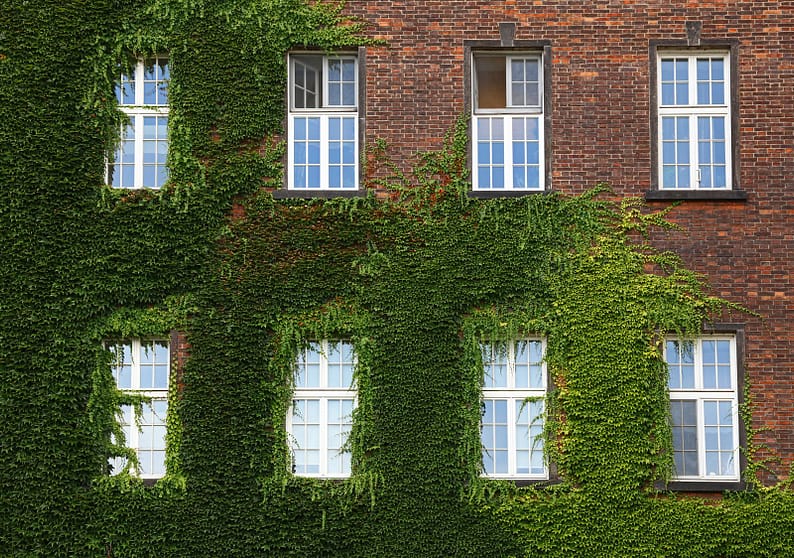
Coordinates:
(699, 394)
(133, 431)
(135, 113)
(509, 84)
(323, 395)
(325, 106)
(508, 140)
(691, 111)
(325, 147)
(515, 397)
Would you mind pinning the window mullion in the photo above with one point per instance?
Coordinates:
(324, 149)
(324, 82)
(137, 80)
(694, 141)
(701, 435)
(138, 129)
(508, 151)
(324, 434)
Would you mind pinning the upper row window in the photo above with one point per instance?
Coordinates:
(140, 159)
(323, 122)
(507, 122)
(694, 124)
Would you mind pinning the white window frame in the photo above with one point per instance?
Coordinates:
(700, 395)
(517, 396)
(692, 111)
(132, 434)
(136, 112)
(510, 116)
(323, 394)
(325, 113)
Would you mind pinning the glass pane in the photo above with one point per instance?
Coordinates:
(517, 92)
(313, 155)
(348, 95)
(490, 74)
(348, 153)
(334, 153)
(498, 176)
(667, 70)
(334, 95)
(334, 128)
(348, 177)
(313, 128)
(349, 128)
(313, 178)
(498, 153)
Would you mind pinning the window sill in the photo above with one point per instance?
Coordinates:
(708, 195)
(493, 194)
(285, 194)
(702, 486)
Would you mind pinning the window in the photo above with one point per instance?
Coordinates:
(514, 387)
(320, 418)
(508, 121)
(140, 160)
(704, 407)
(143, 368)
(694, 120)
(323, 122)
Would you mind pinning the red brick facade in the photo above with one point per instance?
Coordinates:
(600, 114)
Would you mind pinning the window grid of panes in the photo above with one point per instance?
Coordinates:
(508, 122)
(514, 388)
(323, 124)
(320, 418)
(143, 367)
(694, 121)
(140, 160)
(704, 407)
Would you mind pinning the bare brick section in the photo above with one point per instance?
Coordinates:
(601, 111)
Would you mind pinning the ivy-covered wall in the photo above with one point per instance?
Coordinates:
(415, 278)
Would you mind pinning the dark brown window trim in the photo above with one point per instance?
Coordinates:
(285, 192)
(656, 193)
(494, 45)
(495, 194)
(737, 329)
(703, 194)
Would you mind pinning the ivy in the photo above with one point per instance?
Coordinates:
(416, 278)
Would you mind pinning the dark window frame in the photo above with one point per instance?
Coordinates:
(284, 192)
(738, 331)
(542, 47)
(735, 193)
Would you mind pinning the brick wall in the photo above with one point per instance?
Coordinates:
(600, 94)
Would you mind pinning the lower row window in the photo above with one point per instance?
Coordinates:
(321, 416)
(704, 408)
(514, 388)
(143, 368)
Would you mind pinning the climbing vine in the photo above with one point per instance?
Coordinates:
(416, 280)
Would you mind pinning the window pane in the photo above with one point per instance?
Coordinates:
(525, 82)
(306, 70)
(490, 79)
(684, 427)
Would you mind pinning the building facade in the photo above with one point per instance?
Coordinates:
(388, 279)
